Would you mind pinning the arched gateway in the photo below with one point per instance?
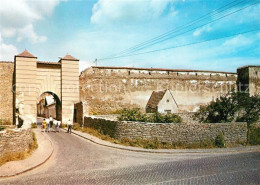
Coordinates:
(32, 78)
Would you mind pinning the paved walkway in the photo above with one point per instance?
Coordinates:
(38, 157)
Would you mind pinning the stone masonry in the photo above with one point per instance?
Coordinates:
(6, 94)
(16, 140)
(170, 132)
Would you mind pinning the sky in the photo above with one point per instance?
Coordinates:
(97, 29)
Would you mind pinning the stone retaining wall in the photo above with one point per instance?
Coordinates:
(15, 140)
(170, 132)
(184, 133)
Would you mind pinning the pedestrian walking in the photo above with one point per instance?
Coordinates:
(55, 123)
(59, 125)
(48, 125)
(69, 126)
(51, 121)
(44, 125)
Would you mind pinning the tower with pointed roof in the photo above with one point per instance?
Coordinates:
(69, 86)
(25, 85)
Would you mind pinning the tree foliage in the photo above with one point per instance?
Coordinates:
(137, 115)
(234, 106)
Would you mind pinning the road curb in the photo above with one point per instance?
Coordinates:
(172, 151)
(35, 166)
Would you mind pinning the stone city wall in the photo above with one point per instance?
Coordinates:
(15, 140)
(6, 93)
(169, 132)
(106, 90)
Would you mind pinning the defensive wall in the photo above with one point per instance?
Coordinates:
(169, 132)
(107, 89)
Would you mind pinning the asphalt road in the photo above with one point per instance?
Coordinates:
(78, 161)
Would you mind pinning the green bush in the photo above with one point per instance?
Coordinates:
(34, 125)
(234, 106)
(104, 127)
(254, 136)
(137, 115)
(220, 141)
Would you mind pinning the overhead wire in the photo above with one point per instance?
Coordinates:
(189, 44)
(182, 32)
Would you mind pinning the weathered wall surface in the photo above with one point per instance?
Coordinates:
(185, 133)
(17, 140)
(172, 133)
(6, 93)
(106, 90)
(254, 80)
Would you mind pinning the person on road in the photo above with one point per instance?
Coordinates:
(51, 121)
(44, 125)
(58, 125)
(55, 123)
(69, 126)
(48, 125)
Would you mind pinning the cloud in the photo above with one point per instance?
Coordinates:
(238, 41)
(7, 51)
(18, 18)
(199, 31)
(128, 11)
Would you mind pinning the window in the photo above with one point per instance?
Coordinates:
(168, 111)
(167, 100)
(256, 73)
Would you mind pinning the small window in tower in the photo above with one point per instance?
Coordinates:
(256, 73)
(167, 100)
(129, 72)
(149, 73)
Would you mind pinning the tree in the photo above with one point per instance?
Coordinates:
(234, 106)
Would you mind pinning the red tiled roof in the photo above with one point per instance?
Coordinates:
(160, 69)
(48, 63)
(27, 54)
(155, 98)
(69, 57)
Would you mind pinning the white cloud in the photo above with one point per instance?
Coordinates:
(129, 11)
(7, 51)
(18, 17)
(199, 31)
(238, 41)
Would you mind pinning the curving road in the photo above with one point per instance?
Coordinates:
(78, 161)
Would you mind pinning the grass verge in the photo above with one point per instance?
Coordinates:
(15, 156)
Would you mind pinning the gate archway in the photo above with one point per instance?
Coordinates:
(33, 78)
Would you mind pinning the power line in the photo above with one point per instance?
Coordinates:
(182, 32)
(180, 27)
(189, 44)
(193, 28)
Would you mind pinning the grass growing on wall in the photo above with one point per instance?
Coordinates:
(15, 156)
(5, 122)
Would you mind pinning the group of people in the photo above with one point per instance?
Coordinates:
(50, 123)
